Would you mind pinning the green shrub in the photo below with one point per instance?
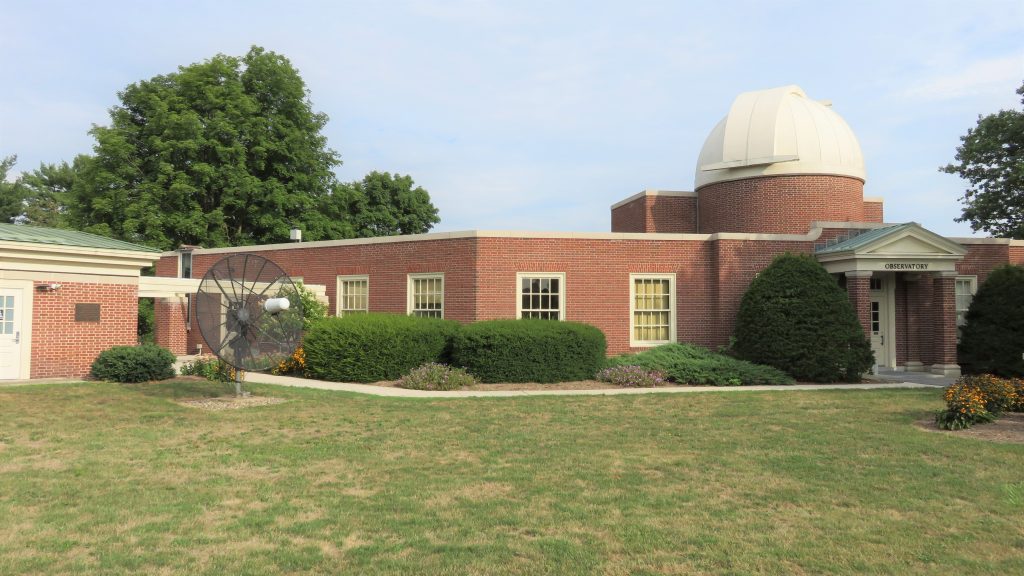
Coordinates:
(797, 318)
(688, 364)
(210, 368)
(529, 350)
(992, 340)
(631, 376)
(134, 364)
(435, 376)
(374, 347)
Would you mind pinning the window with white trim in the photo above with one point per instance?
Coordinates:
(541, 295)
(966, 286)
(652, 309)
(353, 295)
(426, 295)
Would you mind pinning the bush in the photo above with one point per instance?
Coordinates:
(1018, 395)
(796, 318)
(529, 350)
(992, 340)
(210, 368)
(374, 347)
(134, 364)
(688, 364)
(294, 364)
(631, 376)
(313, 310)
(435, 376)
(976, 399)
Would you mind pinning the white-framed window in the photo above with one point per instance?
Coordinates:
(185, 264)
(966, 286)
(353, 295)
(426, 295)
(652, 309)
(540, 295)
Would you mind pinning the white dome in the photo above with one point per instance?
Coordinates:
(775, 132)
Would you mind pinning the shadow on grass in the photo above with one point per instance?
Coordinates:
(182, 388)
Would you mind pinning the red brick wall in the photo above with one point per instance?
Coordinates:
(779, 204)
(62, 347)
(873, 212)
(387, 264)
(169, 320)
(982, 259)
(657, 213)
(631, 216)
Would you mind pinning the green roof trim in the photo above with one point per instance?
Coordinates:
(863, 239)
(56, 236)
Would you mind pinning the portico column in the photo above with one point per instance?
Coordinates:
(169, 325)
(914, 312)
(944, 325)
(858, 290)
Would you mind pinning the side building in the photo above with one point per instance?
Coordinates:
(779, 173)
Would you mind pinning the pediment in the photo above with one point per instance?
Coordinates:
(908, 244)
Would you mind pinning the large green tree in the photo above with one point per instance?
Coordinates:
(991, 158)
(224, 152)
(11, 193)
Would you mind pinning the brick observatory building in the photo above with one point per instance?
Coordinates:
(780, 172)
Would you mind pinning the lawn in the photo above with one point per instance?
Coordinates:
(106, 479)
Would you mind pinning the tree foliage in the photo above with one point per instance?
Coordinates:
(11, 193)
(47, 193)
(796, 318)
(991, 158)
(380, 205)
(992, 340)
(224, 152)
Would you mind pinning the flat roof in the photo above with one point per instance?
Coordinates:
(60, 237)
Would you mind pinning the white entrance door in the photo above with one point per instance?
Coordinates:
(879, 321)
(10, 333)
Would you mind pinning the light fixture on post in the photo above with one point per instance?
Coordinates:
(296, 234)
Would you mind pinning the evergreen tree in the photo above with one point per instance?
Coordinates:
(796, 318)
(992, 339)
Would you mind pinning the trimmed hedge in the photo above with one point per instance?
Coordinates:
(374, 347)
(688, 364)
(134, 364)
(529, 350)
(797, 318)
(993, 338)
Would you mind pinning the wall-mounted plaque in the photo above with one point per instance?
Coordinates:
(87, 312)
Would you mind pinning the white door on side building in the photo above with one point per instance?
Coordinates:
(10, 333)
(880, 321)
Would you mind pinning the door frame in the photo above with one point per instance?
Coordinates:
(27, 292)
(887, 314)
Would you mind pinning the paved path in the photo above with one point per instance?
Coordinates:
(916, 377)
(403, 393)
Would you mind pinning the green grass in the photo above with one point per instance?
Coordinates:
(107, 479)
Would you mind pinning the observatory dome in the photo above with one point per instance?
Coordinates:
(779, 131)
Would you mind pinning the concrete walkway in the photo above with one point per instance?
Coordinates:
(926, 378)
(403, 393)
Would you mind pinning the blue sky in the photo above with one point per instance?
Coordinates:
(538, 115)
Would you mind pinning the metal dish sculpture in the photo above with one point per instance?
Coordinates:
(249, 312)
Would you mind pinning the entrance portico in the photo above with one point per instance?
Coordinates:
(901, 280)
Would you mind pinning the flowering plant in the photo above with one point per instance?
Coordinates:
(631, 376)
(975, 399)
(294, 364)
